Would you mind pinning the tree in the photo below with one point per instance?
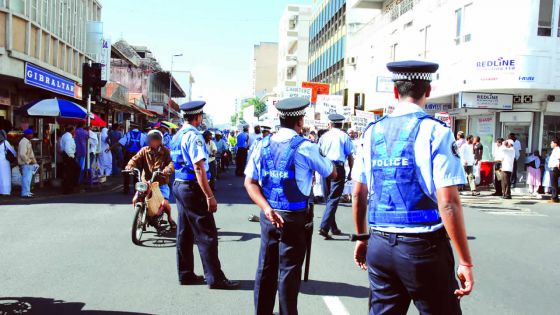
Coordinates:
(260, 106)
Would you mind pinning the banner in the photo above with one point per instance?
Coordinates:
(105, 60)
(362, 119)
(329, 104)
(297, 92)
(317, 89)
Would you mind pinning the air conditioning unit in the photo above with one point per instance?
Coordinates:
(527, 98)
(517, 99)
(551, 98)
(351, 61)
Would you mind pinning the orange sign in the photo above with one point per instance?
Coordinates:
(316, 89)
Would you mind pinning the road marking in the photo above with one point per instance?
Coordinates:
(335, 305)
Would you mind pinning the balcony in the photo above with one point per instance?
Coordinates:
(365, 4)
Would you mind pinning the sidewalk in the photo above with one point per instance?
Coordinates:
(113, 184)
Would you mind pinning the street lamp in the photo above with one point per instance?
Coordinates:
(171, 86)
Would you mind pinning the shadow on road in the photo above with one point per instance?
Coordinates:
(242, 237)
(34, 305)
(322, 288)
(165, 240)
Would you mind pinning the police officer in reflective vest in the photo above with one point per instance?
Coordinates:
(196, 204)
(405, 195)
(132, 142)
(278, 179)
(337, 146)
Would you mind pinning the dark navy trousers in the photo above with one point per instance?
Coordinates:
(332, 191)
(418, 268)
(194, 222)
(280, 259)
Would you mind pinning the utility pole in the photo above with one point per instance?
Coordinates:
(170, 87)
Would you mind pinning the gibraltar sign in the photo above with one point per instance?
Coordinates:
(47, 80)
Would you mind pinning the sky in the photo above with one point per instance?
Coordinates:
(216, 39)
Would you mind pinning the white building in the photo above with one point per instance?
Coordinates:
(293, 46)
(505, 52)
(264, 68)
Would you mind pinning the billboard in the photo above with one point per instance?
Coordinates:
(317, 89)
(486, 100)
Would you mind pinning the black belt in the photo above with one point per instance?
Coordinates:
(429, 235)
(338, 163)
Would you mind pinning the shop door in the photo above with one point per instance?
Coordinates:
(522, 132)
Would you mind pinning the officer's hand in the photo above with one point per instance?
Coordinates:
(349, 177)
(274, 218)
(360, 254)
(212, 205)
(465, 276)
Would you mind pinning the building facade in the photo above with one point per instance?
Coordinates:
(265, 67)
(327, 44)
(42, 49)
(293, 46)
(499, 70)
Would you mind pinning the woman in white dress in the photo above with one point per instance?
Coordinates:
(105, 155)
(5, 170)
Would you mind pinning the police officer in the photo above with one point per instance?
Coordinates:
(265, 132)
(406, 176)
(196, 204)
(337, 146)
(278, 179)
(132, 142)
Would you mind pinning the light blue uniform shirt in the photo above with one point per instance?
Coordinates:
(444, 169)
(221, 145)
(193, 148)
(336, 145)
(307, 160)
(143, 139)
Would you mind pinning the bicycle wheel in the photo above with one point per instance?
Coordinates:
(138, 223)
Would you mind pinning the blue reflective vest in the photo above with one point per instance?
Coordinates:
(183, 171)
(133, 143)
(398, 199)
(277, 175)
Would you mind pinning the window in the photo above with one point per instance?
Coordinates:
(44, 13)
(545, 18)
(467, 11)
(17, 6)
(33, 16)
(462, 24)
(458, 18)
(425, 33)
(394, 52)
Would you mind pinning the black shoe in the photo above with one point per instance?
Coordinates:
(192, 279)
(336, 232)
(497, 195)
(324, 234)
(507, 197)
(225, 285)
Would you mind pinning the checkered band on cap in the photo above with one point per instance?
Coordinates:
(408, 76)
(296, 113)
(192, 112)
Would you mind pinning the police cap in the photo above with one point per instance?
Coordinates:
(412, 70)
(266, 128)
(192, 107)
(292, 107)
(336, 118)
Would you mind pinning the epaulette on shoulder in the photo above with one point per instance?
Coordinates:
(437, 120)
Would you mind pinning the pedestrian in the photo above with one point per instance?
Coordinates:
(196, 204)
(221, 154)
(6, 150)
(336, 146)
(498, 167)
(553, 164)
(508, 164)
(27, 163)
(117, 154)
(212, 151)
(517, 149)
(242, 148)
(478, 150)
(132, 142)
(466, 152)
(408, 168)
(166, 135)
(71, 168)
(81, 137)
(533, 164)
(312, 136)
(93, 149)
(255, 136)
(105, 154)
(155, 157)
(460, 139)
(278, 179)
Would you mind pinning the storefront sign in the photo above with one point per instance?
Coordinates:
(486, 125)
(486, 100)
(105, 59)
(47, 80)
(432, 108)
(445, 117)
(385, 85)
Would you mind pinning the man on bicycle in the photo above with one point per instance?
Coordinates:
(155, 157)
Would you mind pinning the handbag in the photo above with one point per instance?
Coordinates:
(9, 155)
(155, 200)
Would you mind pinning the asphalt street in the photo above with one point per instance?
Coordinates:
(73, 255)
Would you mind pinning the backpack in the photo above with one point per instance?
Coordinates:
(9, 155)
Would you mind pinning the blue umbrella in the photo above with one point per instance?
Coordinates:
(55, 107)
